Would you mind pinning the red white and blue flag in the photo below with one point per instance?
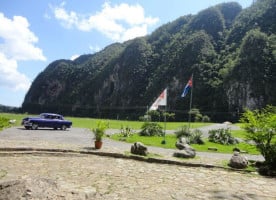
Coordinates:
(160, 101)
(188, 86)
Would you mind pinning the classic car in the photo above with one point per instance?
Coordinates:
(49, 120)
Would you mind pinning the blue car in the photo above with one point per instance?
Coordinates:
(47, 120)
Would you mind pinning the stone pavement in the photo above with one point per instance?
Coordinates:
(75, 175)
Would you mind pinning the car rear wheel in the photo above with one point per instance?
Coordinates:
(34, 126)
(63, 127)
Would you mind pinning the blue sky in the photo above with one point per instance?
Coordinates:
(34, 33)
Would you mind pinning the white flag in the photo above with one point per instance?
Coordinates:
(160, 101)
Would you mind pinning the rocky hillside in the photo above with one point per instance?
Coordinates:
(230, 51)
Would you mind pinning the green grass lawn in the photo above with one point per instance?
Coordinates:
(239, 133)
(118, 124)
(82, 122)
(17, 117)
(171, 140)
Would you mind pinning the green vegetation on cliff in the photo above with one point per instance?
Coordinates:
(230, 51)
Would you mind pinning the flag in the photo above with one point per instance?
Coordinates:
(188, 86)
(160, 101)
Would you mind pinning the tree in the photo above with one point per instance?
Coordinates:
(260, 126)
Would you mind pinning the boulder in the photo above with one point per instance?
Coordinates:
(186, 152)
(139, 148)
(180, 144)
(238, 161)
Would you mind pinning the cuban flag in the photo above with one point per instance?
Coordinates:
(160, 101)
(188, 86)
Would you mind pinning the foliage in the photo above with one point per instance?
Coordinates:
(261, 128)
(229, 12)
(205, 118)
(196, 114)
(151, 129)
(126, 131)
(221, 136)
(4, 122)
(99, 131)
(158, 115)
(196, 137)
(191, 136)
(230, 51)
(210, 20)
(183, 131)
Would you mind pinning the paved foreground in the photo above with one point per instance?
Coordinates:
(97, 177)
(68, 175)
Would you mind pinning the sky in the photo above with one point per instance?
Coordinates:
(34, 33)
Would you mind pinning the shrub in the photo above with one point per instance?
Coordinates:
(183, 132)
(260, 126)
(205, 118)
(196, 137)
(126, 132)
(221, 136)
(191, 137)
(4, 122)
(151, 129)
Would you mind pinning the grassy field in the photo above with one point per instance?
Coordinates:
(118, 124)
(112, 124)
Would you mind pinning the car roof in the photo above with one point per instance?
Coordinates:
(53, 114)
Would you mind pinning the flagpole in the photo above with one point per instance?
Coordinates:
(165, 119)
(147, 113)
(191, 99)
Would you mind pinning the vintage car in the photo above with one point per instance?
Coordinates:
(49, 120)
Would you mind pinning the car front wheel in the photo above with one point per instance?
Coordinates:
(34, 126)
(63, 127)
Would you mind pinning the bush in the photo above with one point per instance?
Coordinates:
(183, 132)
(221, 136)
(191, 137)
(205, 118)
(196, 137)
(126, 132)
(4, 122)
(260, 126)
(151, 129)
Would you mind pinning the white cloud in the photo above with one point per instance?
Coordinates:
(18, 39)
(73, 57)
(119, 23)
(10, 77)
(94, 48)
(17, 43)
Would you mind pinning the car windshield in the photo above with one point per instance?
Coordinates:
(42, 116)
(50, 116)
